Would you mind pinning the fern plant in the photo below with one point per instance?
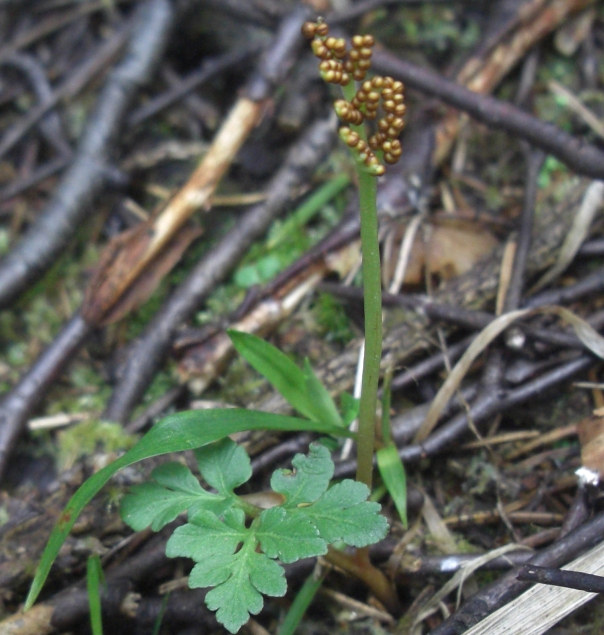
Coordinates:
(239, 549)
(241, 560)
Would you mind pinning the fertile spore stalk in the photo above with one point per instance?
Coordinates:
(363, 99)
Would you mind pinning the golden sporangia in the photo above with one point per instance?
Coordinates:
(342, 65)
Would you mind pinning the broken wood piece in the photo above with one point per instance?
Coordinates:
(539, 608)
(126, 260)
(103, 302)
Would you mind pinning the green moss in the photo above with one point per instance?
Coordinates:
(240, 383)
(551, 171)
(4, 241)
(89, 437)
(431, 28)
(4, 515)
(161, 383)
(332, 319)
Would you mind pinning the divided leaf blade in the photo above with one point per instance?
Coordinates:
(207, 534)
(224, 465)
(289, 537)
(239, 581)
(343, 513)
(309, 480)
(186, 430)
(174, 489)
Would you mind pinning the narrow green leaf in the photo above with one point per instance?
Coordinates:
(313, 204)
(160, 617)
(386, 395)
(280, 371)
(182, 431)
(301, 602)
(393, 474)
(94, 580)
(350, 408)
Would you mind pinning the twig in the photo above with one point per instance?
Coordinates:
(559, 577)
(450, 563)
(133, 262)
(429, 365)
(20, 403)
(363, 7)
(70, 87)
(578, 512)
(594, 247)
(194, 80)
(48, 26)
(473, 289)
(155, 409)
(512, 300)
(501, 592)
(578, 155)
(591, 284)
(40, 174)
(489, 404)
(456, 315)
(85, 178)
(50, 125)
(65, 611)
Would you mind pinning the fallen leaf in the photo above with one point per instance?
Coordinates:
(444, 249)
(107, 298)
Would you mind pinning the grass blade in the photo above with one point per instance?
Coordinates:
(298, 387)
(301, 602)
(393, 474)
(94, 580)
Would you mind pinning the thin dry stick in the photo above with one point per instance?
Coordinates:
(87, 174)
(134, 255)
(148, 353)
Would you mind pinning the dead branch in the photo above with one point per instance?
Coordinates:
(577, 154)
(87, 175)
(506, 588)
(22, 400)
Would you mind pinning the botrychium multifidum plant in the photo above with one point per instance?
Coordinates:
(363, 100)
(238, 548)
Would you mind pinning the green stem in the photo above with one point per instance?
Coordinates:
(372, 302)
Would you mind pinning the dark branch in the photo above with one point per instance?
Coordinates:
(575, 153)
